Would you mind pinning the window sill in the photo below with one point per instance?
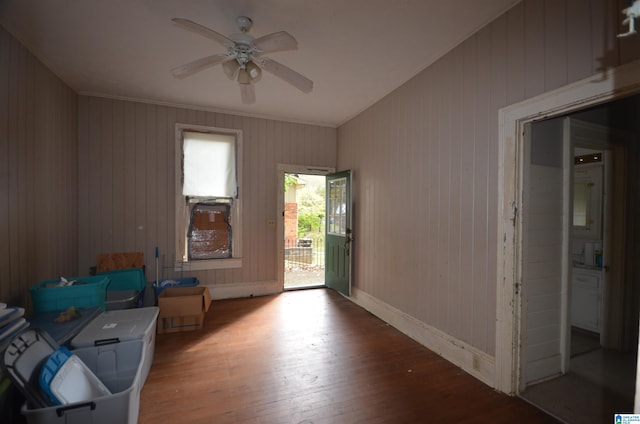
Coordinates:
(208, 264)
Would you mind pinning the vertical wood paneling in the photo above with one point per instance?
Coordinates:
(117, 178)
(534, 43)
(140, 182)
(555, 44)
(515, 54)
(151, 182)
(13, 187)
(499, 96)
(481, 254)
(5, 222)
(453, 319)
(133, 181)
(444, 192)
(38, 174)
(579, 61)
(130, 172)
(84, 246)
(93, 168)
(453, 208)
(106, 174)
(19, 165)
(467, 160)
(163, 143)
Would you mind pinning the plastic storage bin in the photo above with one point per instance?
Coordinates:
(158, 287)
(123, 299)
(126, 289)
(119, 367)
(92, 291)
(123, 325)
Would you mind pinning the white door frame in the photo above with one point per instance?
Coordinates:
(284, 168)
(600, 88)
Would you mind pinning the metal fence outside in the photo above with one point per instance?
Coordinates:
(304, 253)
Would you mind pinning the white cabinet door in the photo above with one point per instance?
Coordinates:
(586, 299)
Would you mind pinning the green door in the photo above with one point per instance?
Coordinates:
(338, 240)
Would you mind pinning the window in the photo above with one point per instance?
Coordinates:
(208, 175)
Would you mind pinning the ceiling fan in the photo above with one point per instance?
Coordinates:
(244, 60)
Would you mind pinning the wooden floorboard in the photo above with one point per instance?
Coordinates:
(311, 356)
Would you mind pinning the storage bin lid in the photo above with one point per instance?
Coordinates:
(22, 360)
(66, 379)
(118, 325)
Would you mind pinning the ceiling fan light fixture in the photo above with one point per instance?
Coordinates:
(230, 68)
(254, 71)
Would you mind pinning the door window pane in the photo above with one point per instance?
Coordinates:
(337, 199)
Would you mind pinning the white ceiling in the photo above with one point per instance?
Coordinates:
(355, 51)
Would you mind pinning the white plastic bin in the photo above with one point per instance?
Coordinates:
(123, 325)
(119, 367)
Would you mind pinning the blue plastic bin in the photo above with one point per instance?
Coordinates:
(91, 292)
(174, 282)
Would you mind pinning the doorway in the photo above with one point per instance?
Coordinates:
(303, 202)
(617, 86)
(579, 338)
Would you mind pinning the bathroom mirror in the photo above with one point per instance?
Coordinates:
(581, 205)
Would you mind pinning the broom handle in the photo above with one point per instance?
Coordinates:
(156, 265)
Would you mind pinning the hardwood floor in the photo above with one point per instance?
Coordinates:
(311, 356)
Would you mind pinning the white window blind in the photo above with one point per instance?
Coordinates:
(209, 168)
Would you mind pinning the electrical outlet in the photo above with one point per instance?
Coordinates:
(271, 222)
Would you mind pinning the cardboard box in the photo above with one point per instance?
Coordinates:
(182, 309)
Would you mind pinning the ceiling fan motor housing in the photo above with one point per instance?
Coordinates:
(244, 23)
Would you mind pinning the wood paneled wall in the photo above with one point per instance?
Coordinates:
(425, 159)
(126, 185)
(38, 174)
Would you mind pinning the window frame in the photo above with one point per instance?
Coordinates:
(182, 210)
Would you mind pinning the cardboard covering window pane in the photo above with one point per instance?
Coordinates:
(209, 232)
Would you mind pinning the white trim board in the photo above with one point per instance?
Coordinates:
(471, 360)
(605, 86)
(242, 290)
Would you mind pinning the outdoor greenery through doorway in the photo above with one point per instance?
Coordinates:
(304, 223)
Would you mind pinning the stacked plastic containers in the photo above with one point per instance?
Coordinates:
(98, 381)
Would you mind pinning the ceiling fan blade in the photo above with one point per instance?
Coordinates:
(247, 93)
(198, 65)
(276, 42)
(204, 31)
(299, 81)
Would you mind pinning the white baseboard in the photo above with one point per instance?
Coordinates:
(237, 290)
(473, 361)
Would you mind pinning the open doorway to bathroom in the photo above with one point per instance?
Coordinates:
(304, 230)
(580, 314)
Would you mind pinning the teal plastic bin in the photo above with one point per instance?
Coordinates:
(126, 289)
(87, 292)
